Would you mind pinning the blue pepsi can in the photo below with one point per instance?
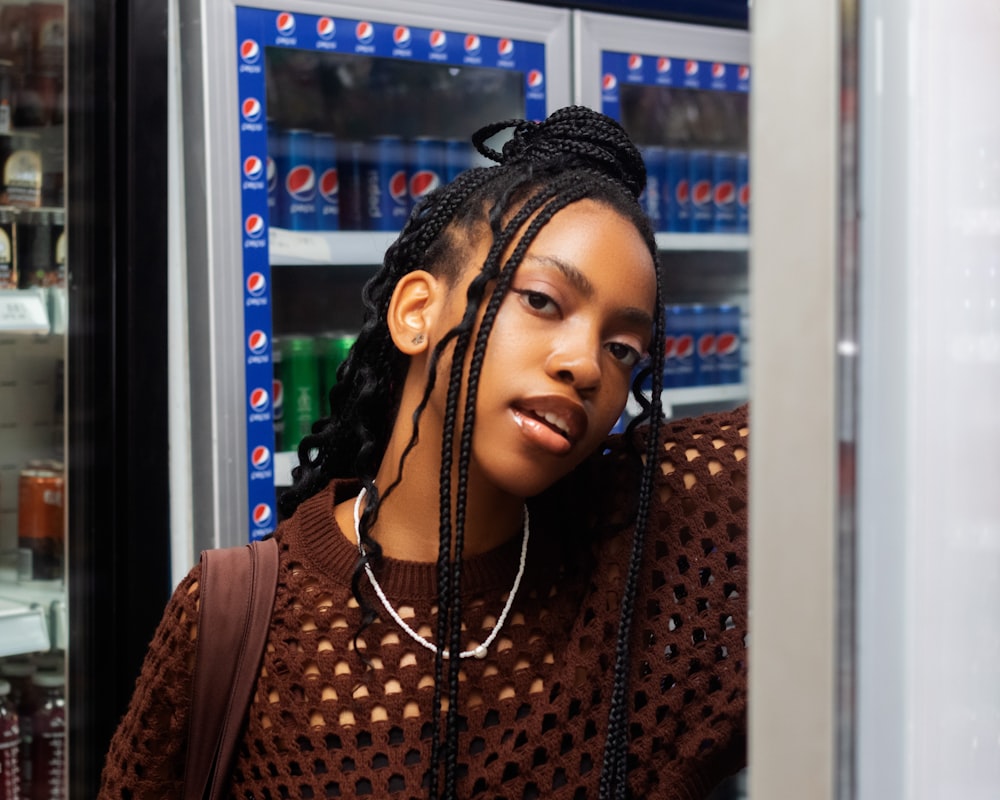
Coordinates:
(351, 176)
(272, 176)
(706, 366)
(724, 192)
(676, 195)
(700, 191)
(651, 198)
(427, 167)
(742, 193)
(387, 200)
(728, 351)
(297, 175)
(679, 347)
(457, 158)
(327, 183)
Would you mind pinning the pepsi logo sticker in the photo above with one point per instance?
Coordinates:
(260, 458)
(257, 342)
(364, 32)
(727, 343)
(473, 45)
(438, 41)
(252, 109)
(401, 36)
(397, 187)
(285, 23)
(423, 183)
(326, 28)
(743, 72)
(256, 284)
(718, 71)
(634, 62)
(329, 185)
(249, 51)
(301, 183)
(609, 82)
(505, 48)
(535, 79)
(259, 401)
(254, 226)
(662, 65)
(253, 168)
(262, 515)
(690, 68)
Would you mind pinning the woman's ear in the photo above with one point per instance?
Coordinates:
(412, 310)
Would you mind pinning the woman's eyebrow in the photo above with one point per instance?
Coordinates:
(579, 281)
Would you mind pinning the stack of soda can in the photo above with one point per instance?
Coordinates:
(305, 369)
(703, 345)
(319, 183)
(697, 191)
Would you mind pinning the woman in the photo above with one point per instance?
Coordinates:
(463, 499)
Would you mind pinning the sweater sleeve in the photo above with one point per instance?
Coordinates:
(689, 682)
(145, 760)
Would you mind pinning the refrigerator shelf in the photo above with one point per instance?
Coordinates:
(704, 242)
(367, 247)
(322, 248)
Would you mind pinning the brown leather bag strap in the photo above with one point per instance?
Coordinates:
(237, 594)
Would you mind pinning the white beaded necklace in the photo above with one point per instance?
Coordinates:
(480, 650)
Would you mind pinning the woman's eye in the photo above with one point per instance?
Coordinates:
(538, 300)
(629, 356)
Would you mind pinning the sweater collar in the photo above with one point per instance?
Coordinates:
(314, 528)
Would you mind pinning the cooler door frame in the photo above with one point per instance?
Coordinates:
(210, 134)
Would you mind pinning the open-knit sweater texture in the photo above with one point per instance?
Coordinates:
(323, 723)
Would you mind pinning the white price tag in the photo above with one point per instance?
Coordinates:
(23, 311)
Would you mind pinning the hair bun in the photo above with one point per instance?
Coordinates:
(575, 136)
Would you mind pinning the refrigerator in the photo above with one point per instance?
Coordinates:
(305, 128)
(682, 92)
(278, 249)
(83, 493)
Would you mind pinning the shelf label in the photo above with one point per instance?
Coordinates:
(23, 311)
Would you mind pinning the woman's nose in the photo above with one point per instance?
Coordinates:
(576, 360)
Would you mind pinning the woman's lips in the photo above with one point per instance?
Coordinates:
(554, 424)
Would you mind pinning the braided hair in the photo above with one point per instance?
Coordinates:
(575, 153)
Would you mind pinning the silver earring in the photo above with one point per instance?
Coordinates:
(418, 339)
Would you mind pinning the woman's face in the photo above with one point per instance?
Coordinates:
(559, 361)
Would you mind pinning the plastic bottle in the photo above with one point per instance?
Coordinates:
(48, 743)
(10, 741)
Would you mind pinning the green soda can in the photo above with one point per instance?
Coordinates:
(300, 382)
(333, 350)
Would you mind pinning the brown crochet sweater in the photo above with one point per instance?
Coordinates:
(323, 725)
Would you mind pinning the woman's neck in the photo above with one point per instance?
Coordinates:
(407, 527)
